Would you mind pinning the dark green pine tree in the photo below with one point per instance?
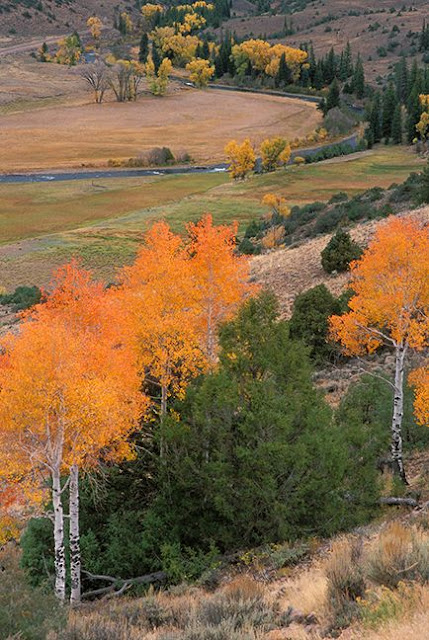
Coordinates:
(330, 67)
(414, 73)
(389, 105)
(375, 118)
(144, 48)
(156, 58)
(284, 75)
(358, 81)
(414, 110)
(312, 63)
(424, 189)
(346, 63)
(205, 50)
(424, 37)
(318, 77)
(397, 125)
(402, 80)
(333, 99)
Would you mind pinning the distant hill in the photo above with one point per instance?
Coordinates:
(49, 17)
(380, 31)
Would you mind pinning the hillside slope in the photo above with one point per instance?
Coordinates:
(49, 17)
(293, 270)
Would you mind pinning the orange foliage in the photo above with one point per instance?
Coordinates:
(220, 277)
(175, 296)
(157, 293)
(69, 388)
(391, 287)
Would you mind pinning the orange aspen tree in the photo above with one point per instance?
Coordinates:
(158, 299)
(220, 279)
(69, 397)
(420, 381)
(390, 307)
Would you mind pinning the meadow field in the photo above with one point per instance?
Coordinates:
(43, 225)
(186, 120)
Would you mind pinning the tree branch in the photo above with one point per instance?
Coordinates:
(118, 586)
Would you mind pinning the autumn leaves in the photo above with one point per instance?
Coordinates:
(390, 308)
(75, 379)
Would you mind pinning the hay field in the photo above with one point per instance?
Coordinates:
(199, 122)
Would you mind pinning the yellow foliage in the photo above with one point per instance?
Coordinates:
(9, 529)
(241, 157)
(265, 57)
(201, 71)
(177, 46)
(273, 238)
(158, 82)
(94, 25)
(275, 152)
(69, 51)
(277, 204)
(149, 11)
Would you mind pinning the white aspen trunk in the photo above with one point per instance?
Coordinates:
(60, 558)
(75, 562)
(398, 412)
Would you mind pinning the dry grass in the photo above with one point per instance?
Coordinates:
(69, 136)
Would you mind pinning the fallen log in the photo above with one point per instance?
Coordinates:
(407, 502)
(118, 586)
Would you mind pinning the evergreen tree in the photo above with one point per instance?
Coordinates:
(397, 125)
(389, 105)
(309, 321)
(414, 110)
(330, 67)
(358, 81)
(144, 48)
(333, 99)
(284, 75)
(318, 77)
(424, 37)
(375, 119)
(402, 80)
(156, 58)
(424, 189)
(205, 50)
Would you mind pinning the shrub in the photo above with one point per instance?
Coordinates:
(160, 156)
(339, 252)
(299, 160)
(339, 197)
(309, 321)
(345, 580)
(329, 220)
(383, 605)
(22, 298)
(25, 612)
(399, 553)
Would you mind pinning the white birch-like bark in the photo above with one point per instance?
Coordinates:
(398, 412)
(74, 537)
(60, 558)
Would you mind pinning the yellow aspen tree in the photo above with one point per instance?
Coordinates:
(241, 158)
